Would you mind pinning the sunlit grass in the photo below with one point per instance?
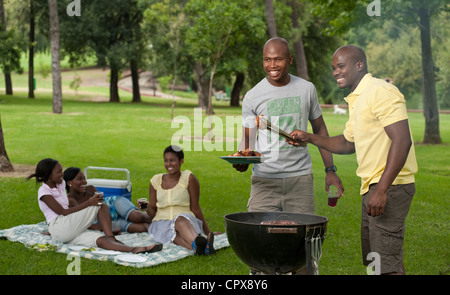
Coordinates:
(133, 136)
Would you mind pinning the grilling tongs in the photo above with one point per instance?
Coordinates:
(262, 123)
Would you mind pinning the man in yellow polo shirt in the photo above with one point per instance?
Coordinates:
(378, 131)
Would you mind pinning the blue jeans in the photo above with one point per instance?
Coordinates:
(123, 208)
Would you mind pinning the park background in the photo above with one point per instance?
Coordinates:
(101, 115)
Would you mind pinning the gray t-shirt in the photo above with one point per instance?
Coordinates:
(289, 107)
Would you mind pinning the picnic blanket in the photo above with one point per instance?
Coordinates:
(31, 235)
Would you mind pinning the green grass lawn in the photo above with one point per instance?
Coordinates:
(133, 136)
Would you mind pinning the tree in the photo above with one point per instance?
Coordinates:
(56, 66)
(166, 25)
(430, 106)
(242, 61)
(9, 57)
(9, 51)
(5, 163)
(136, 44)
(299, 49)
(396, 58)
(217, 22)
(174, 35)
(178, 44)
(270, 18)
(237, 88)
(210, 35)
(8, 84)
(206, 40)
(31, 50)
(341, 14)
(107, 33)
(111, 31)
(441, 45)
(300, 22)
(34, 37)
(419, 13)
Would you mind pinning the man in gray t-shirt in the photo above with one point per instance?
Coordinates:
(283, 182)
(289, 107)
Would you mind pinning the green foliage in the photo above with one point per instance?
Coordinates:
(165, 26)
(393, 47)
(10, 51)
(441, 55)
(184, 34)
(226, 26)
(174, 34)
(339, 15)
(390, 50)
(75, 83)
(210, 30)
(109, 29)
(164, 82)
(43, 69)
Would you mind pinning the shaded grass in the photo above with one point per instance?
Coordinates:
(133, 136)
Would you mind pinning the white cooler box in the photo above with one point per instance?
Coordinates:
(110, 187)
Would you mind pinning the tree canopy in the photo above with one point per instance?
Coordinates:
(212, 45)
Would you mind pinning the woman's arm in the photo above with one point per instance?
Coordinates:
(58, 209)
(151, 208)
(90, 191)
(72, 202)
(194, 193)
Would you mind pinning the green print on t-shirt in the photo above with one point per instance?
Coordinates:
(288, 112)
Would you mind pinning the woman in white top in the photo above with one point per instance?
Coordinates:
(70, 225)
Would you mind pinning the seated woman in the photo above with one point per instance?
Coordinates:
(125, 216)
(69, 225)
(175, 209)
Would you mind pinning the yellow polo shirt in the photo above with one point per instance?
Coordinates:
(373, 105)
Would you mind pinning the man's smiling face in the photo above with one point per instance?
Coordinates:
(348, 69)
(276, 61)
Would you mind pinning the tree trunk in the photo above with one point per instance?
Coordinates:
(270, 18)
(5, 163)
(430, 106)
(202, 85)
(8, 82)
(174, 83)
(299, 50)
(210, 94)
(113, 88)
(56, 66)
(237, 88)
(220, 50)
(31, 54)
(135, 81)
